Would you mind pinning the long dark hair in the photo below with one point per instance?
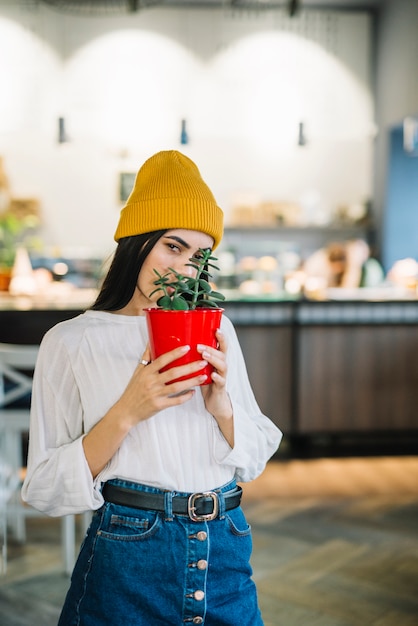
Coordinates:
(120, 281)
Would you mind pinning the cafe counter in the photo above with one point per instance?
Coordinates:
(334, 367)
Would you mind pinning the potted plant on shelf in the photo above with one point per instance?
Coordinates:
(187, 313)
(16, 227)
(10, 228)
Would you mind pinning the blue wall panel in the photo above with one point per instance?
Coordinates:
(400, 233)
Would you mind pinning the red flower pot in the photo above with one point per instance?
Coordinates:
(171, 329)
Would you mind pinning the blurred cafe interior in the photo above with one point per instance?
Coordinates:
(303, 118)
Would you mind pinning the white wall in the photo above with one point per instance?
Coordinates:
(242, 80)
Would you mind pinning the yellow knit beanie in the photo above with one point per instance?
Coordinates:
(169, 192)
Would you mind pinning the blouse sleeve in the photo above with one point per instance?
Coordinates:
(58, 479)
(256, 438)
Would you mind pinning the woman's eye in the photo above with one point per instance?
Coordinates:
(173, 246)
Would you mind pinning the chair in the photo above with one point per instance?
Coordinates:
(16, 367)
(9, 482)
(17, 363)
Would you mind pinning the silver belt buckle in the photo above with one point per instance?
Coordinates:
(207, 517)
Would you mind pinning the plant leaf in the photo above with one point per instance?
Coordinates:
(155, 291)
(194, 265)
(217, 295)
(206, 304)
(179, 304)
(204, 286)
(164, 302)
(183, 286)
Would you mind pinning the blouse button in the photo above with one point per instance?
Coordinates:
(198, 620)
(199, 595)
(202, 564)
(202, 535)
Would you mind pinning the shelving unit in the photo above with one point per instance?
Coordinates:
(263, 240)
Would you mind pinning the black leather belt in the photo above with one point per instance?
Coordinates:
(198, 506)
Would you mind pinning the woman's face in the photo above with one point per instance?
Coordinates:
(173, 250)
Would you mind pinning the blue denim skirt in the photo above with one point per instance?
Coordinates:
(147, 568)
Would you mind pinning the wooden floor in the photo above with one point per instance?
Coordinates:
(335, 544)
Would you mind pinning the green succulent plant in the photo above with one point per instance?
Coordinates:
(13, 232)
(10, 229)
(182, 293)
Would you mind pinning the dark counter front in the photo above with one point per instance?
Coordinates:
(29, 326)
(317, 368)
(357, 367)
(266, 333)
(332, 367)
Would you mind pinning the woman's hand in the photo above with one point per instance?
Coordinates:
(150, 390)
(215, 396)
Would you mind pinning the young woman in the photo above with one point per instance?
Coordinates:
(157, 462)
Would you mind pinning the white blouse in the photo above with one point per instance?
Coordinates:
(84, 365)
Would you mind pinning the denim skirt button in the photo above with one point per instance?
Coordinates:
(202, 564)
(199, 595)
(202, 535)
